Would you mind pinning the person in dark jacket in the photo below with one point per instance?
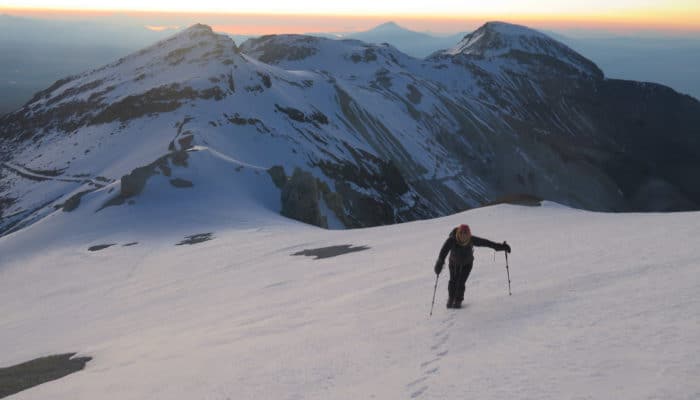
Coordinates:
(460, 244)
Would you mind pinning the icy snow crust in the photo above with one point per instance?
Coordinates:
(603, 307)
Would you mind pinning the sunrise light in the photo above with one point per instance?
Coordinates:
(437, 15)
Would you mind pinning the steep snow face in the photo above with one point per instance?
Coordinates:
(602, 304)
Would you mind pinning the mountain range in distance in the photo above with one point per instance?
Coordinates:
(38, 52)
(413, 43)
(671, 61)
(344, 134)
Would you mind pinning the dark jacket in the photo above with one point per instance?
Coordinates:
(463, 255)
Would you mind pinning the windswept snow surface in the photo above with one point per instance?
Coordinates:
(604, 306)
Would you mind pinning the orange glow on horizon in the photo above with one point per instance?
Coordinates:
(439, 23)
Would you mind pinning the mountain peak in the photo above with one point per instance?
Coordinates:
(196, 30)
(496, 36)
(506, 28)
(388, 26)
(195, 35)
(502, 39)
(199, 27)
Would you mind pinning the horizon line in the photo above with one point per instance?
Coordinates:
(549, 21)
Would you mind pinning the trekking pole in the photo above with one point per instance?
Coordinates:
(507, 272)
(434, 291)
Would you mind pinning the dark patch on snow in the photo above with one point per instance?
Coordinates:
(521, 199)
(279, 177)
(414, 95)
(254, 89)
(214, 92)
(382, 79)
(176, 56)
(292, 113)
(299, 116)
(46, 93)
(238, 120)
(277, 284)
(231, 83)
(46, 172)
(330, 251)
(186, 142)
(25, 175)
(6, 203)
(130, 244)
(32, 373)
(99, 247)
(265, 79)
(74, 201)
(300, 199)
(70, 92)
(271, 49)
(133, 183)
(197, 238)
(164, 98)
(368, 56)
(181, 183)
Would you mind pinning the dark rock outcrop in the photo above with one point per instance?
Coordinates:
(300, 199)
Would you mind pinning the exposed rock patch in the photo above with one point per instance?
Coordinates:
(196, 238)
(300, 199)
(181, 183)
(157, 100)
(299, 116)
(330, 251)
(100, 247)
(41, 370)
(521, 199)
(279, 177)
(268, 50)
(74, 201)
(414, 95)
(133, 183)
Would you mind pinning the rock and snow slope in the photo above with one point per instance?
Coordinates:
(379, 137)
(603, 306)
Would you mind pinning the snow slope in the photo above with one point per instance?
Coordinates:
(604, 306)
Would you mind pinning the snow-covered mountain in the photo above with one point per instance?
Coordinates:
(343, 133)
(499, 39)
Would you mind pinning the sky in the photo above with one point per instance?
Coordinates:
(300, 16)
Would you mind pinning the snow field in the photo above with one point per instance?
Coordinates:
(603, 306)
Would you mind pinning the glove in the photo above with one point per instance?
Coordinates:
(505, 247)
(438, 268)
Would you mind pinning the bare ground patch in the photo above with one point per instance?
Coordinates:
(330, 251)
(41, 370)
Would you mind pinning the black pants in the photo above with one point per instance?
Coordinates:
(458, 280)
